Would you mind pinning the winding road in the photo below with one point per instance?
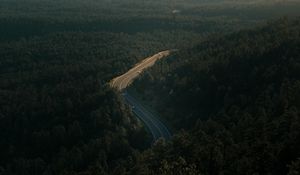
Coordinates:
(156, 127)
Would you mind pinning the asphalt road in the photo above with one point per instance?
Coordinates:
(152, 122)
(157, 128)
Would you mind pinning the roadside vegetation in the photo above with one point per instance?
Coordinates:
(231, 93)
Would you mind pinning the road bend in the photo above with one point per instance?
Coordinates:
(157, 128)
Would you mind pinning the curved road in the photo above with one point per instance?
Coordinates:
(157, 128)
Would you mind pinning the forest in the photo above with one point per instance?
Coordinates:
(231, 92)
(235, 100)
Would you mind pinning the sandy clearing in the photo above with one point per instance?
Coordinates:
(124, 80)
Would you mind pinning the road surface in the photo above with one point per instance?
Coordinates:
(154, 125)
(123, 81)
(157, 128)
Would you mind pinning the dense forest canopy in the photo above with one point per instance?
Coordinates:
(57, 114)
(230, 93)
(131, 16)
(238, 98)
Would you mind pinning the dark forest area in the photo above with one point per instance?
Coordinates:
(237, 99)
(231, 91)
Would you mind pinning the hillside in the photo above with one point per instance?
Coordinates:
(229, 94)
(237, 99)
(57, 115)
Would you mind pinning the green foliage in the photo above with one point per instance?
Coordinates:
(235, 97)
(58, 116)
(238, 98)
